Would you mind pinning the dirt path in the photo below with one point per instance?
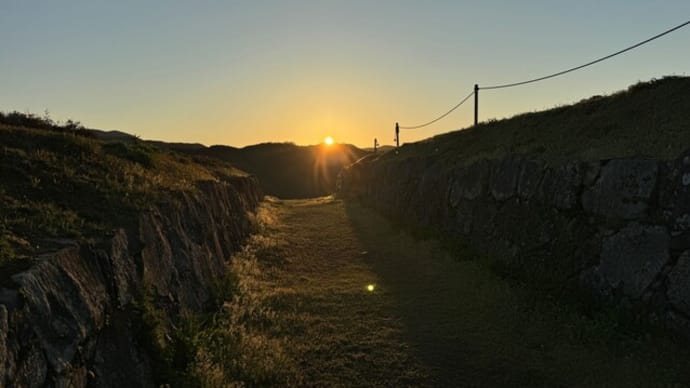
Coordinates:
(431, 320)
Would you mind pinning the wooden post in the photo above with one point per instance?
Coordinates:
(397, 135)
(376, 145)
(476, 103)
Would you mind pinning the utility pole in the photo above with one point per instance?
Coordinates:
(476, 104)
(397, 135)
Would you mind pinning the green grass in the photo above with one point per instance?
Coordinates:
(300, 314)
(650, 119)
(512, 336)
(234, 344)
(134, 152)
(57, 184)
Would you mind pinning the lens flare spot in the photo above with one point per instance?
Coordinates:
(371, 287)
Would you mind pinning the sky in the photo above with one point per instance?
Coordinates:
(247, 72)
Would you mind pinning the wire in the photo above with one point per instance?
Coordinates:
(549, 76)
(587, 64)
(441, 116)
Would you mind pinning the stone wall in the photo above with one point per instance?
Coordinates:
(620, 228)
(72, 321)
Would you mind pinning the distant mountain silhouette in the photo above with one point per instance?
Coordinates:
(285, 170)
(111, 135)
(381, 149)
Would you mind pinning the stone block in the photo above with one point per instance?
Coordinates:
(474, 180)
(567, 181)
(530, 178)
(504, 179)
(678, 288)
(623, 190)
(632, 258)
(4, 329)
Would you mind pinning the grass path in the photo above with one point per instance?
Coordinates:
(432, 320)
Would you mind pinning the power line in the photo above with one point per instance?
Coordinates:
(477, 88)
(441, 116)
(588, 63)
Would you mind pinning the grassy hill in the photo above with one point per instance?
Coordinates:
(381, 149)
(287, 170)
(60, 183)
(649, 119)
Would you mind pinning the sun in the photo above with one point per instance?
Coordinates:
(328, 140)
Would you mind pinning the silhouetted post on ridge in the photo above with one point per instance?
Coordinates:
(397, 135)
(376, 144)
(476, 103)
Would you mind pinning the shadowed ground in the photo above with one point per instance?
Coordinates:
(432, 320)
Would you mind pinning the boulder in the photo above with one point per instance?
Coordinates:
(632, 258)
(504, 179)
(530, 178)
(674, 197)
(32, 369)
(454, 194)
(124, 274)
(623, 190)
(65, 299)
(10, 299)
(591, 172)
(4, 328)
(678, 287)
(565, 186)
(474, 179)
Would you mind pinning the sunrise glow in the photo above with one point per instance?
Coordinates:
(328, 140)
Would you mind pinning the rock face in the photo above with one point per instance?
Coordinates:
(679, 284)
(632, 258)
(619, 227)
(624, 189)
(73, 323)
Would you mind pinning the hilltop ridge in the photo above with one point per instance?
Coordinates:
(286, 170)
(649, 119)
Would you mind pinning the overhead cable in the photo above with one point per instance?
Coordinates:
(588, 63)
(441, 116)
(550, 75)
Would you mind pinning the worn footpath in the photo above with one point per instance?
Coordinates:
(433, 318)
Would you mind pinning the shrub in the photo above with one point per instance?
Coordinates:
(6, 251)
(133, 152)
(45, 122)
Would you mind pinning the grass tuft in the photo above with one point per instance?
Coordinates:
(649, 119)
(58, 184)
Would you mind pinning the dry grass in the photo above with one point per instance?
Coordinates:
(237, 347)
(59, 185)
(301, 316)
(481, 330)
(650, 119)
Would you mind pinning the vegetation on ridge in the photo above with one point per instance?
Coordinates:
(286, 170)
(649, 119)
(59, 182)
(299, 313)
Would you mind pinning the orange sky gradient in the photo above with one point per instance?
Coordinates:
(244, 73)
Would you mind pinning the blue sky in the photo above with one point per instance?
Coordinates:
(238, 73)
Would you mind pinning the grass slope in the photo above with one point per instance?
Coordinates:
(300, 315)
(62, 183)
(649, 119)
